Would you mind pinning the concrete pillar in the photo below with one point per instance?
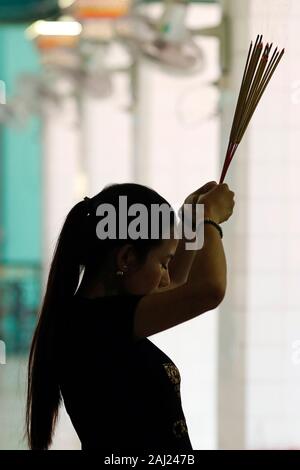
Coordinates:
(232, 317)
(61, 165)
(106, 132)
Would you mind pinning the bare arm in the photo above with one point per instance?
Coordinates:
(205, 286)
(180, 265)
(210, 262)
(203, 291)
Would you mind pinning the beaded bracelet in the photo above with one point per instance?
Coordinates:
(212, 222)
(186, 218)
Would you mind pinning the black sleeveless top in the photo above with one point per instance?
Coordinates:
(120, 393)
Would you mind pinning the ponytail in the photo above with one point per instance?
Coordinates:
(43, 391)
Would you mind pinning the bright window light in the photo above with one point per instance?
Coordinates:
(65, 3)
(53, 28)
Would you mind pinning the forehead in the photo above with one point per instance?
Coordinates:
(167, 247)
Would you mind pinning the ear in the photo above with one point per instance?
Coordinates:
(126, 256)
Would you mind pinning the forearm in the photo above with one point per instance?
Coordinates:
(180, 265)
(209, 263)
(212, 262)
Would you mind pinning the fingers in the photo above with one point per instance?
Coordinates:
(206, 187)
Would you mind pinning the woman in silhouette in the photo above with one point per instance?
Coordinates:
(91, 347)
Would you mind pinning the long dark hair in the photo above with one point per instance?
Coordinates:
(77, 247)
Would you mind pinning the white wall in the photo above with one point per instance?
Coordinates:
(261, 322)
(274, 298)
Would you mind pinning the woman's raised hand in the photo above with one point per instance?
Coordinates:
(218, 200)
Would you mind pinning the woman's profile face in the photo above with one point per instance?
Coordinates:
(153, 274)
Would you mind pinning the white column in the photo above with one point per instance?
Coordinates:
(141, 122)
(233, 310)
(106, 136)
(61, 165)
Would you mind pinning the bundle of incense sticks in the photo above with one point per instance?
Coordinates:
(257, 74)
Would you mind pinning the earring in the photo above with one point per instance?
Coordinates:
(121, 273)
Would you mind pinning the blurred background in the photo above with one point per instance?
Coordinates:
(94, 92)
